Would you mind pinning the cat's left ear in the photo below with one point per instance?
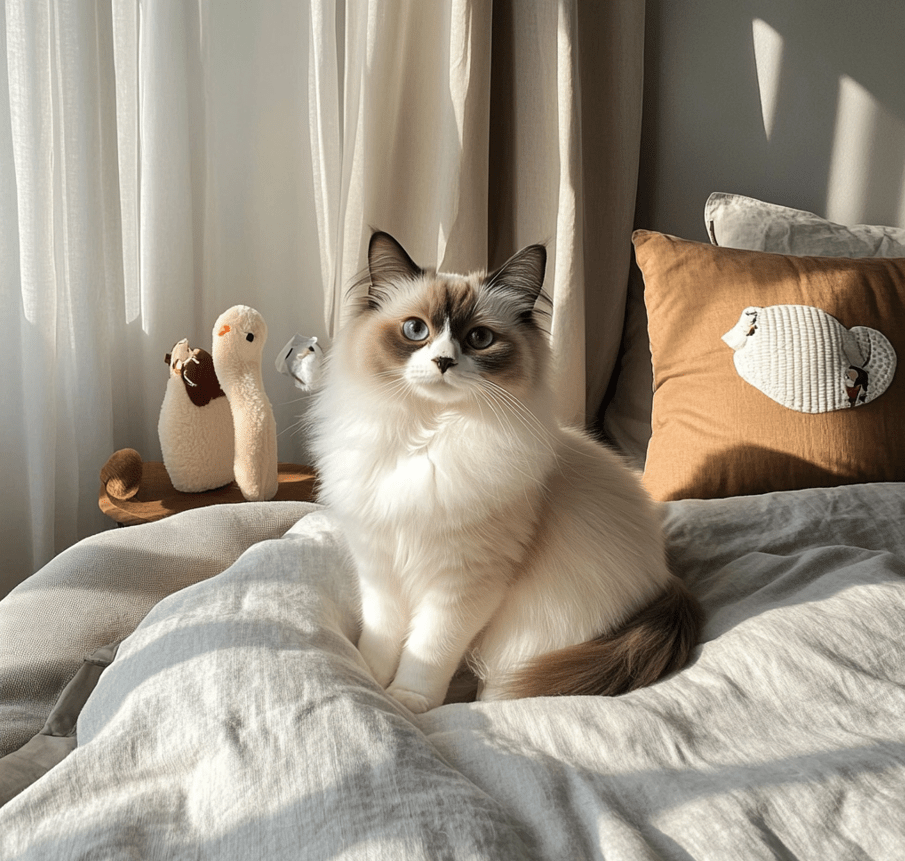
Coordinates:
(388, 264)
(521, 276)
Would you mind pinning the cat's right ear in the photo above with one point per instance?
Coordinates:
(521, 277)
(388, 264)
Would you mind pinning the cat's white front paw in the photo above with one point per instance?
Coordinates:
(381, 658)
(414, 702)
(381, 670)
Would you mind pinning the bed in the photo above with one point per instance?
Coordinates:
(223, 711)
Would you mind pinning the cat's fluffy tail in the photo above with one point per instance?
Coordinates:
(654, 642)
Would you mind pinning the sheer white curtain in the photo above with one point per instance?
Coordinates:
(161, 161)
(155, 170)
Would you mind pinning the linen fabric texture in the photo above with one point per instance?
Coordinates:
(239, 721)
(97, 591)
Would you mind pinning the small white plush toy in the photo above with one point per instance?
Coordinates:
(805, 359)
(301, 359)
(239, 336)
(195, 425)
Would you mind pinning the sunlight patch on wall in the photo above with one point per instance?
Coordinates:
(768, 50)
(866, 180)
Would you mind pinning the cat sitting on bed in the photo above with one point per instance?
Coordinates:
(480, 528)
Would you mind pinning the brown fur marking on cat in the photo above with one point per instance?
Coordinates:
(389, 348)
(654, 642)
(453, 300)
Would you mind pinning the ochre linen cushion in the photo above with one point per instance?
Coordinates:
(733, 221)
(713, 433)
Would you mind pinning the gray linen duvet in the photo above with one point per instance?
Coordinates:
(238, 720)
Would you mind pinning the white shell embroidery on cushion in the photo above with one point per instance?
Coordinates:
(806, 360)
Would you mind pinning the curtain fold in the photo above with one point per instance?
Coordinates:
(160, 162)
(61, 271)
(565, 138)
(414, 135)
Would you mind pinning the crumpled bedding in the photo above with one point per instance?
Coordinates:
(238, 720)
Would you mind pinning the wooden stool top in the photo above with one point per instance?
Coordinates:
(157, 498)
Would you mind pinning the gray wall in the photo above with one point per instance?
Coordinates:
(831, 75)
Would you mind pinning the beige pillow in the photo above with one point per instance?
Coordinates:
(801, 393)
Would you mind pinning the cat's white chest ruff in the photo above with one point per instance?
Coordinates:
(413, 470)
(430, 476)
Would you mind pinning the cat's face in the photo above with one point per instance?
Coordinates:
(452, 338)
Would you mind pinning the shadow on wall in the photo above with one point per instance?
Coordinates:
(796, 103)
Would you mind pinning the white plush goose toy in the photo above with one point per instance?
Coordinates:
(239, 336)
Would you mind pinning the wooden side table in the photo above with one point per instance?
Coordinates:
(157, 498)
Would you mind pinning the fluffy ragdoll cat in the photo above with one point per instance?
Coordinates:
(479, 527)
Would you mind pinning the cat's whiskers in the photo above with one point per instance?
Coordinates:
(560, 443)
(393, 384)
(301, 424)
(507, 412)
(514, 408)
(502, 416)
(530, 422)
(297, 427)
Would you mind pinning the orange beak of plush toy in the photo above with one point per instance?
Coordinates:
(223, 330)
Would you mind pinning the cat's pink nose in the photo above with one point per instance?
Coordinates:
(444, 363)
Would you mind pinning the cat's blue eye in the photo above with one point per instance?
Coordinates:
(415, 329)
(480, 338)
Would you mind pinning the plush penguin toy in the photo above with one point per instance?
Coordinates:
(196, 423)
(302, 360)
